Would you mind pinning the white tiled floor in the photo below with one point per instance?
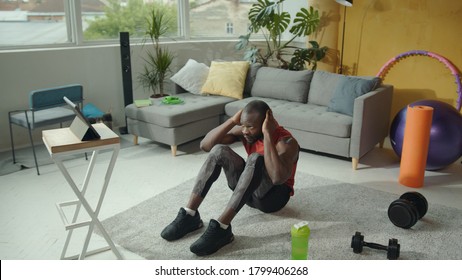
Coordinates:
(30, 227)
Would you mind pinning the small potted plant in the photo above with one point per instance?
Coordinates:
(158, 60)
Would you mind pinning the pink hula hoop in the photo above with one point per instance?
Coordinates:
(386, 67)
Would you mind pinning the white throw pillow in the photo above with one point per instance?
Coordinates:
(192, 76)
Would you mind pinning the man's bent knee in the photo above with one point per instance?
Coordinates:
(220, 149)
(253, 159)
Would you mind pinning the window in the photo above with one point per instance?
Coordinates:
(106, 21)
(207, 18)
(35, 22)
(25, 23)
(229, 28)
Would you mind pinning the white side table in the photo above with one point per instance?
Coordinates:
(62, 142)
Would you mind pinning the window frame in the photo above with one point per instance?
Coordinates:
(75, 36)
(74, 27)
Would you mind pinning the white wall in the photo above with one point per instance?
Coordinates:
(97, 68)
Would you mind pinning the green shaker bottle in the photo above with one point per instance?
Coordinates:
(300, 233)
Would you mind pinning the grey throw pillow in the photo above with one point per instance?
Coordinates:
(250, 79)
(282, 84)
(347, 90)
(322, 87)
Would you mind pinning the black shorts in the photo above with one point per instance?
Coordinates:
(274, 200)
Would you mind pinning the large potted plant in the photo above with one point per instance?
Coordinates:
(268, 18)
(158, 60)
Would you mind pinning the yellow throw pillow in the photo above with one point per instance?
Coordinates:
(226, 78)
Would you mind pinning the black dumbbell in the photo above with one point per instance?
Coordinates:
(357, 243)
(408, 209)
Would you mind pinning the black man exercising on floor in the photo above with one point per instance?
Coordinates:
(265, 181)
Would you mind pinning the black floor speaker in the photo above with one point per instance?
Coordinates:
(126, 72)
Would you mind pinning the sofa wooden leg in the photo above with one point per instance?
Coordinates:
(354, 162)
(135, 139)
(173, 148)
(381, 143)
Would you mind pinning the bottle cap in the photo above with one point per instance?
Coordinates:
(301, 224)
(300, 229)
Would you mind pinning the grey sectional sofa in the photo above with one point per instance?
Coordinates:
(329, 113)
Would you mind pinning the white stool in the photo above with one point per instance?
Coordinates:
(61, 143)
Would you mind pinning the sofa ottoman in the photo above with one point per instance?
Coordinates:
(176, 124)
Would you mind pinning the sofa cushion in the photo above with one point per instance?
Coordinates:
(282, 84)
(194, 108)
(322, 87)
(306, 117)
(250, 79)
(347, 90)
(226, 78)
(192, 76)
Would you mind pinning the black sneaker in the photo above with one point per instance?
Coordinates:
(212, 240)
(182, 225)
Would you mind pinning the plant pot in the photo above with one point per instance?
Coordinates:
(158, 95)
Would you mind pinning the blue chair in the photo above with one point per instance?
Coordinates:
(47, 107)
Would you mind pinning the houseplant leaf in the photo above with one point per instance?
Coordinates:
(279, 23)
(305, 22)
(243, 42)
(261, 14)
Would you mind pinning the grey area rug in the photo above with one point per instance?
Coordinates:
(334, 210)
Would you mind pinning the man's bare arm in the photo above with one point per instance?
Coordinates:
(280, 156)
(226, 133)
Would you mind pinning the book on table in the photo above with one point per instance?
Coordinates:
(142, 102)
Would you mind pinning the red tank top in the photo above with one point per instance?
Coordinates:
(258, 147)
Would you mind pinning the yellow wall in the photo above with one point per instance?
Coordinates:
(378, 30)
(328, 30)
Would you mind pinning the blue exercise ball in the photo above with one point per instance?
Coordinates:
(445, 135)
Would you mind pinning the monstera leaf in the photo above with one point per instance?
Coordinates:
(261, 14)
(243, 41)
(305, 22)
(279, 24)
(312, 55)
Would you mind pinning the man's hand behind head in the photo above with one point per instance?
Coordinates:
(237, 117)
(269, 124)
